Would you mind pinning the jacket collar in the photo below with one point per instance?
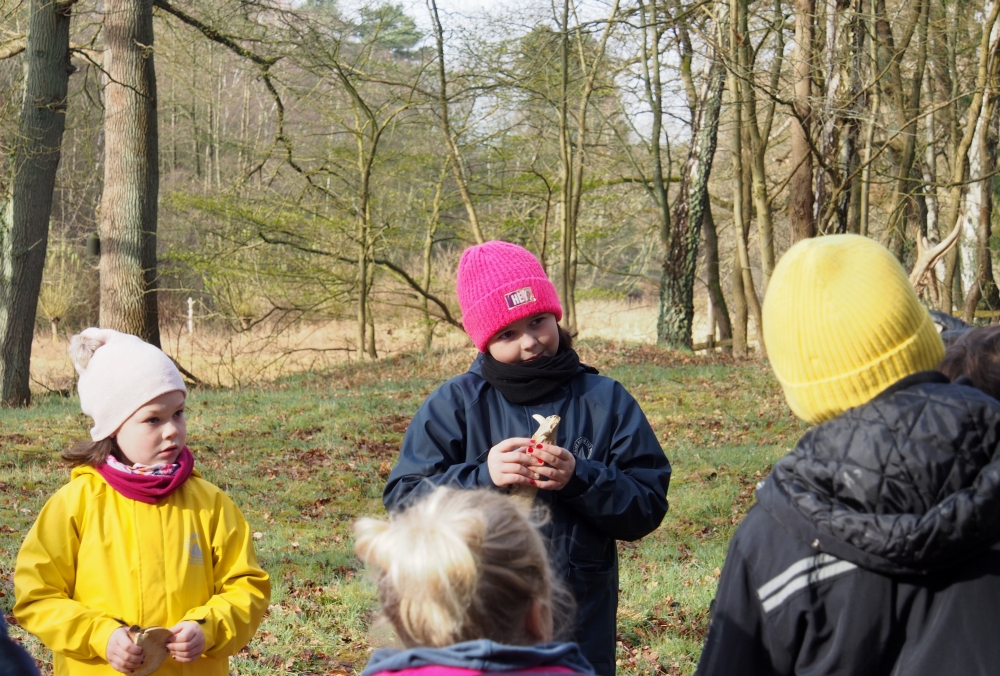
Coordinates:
(83, 470)
(913, 380)
(482, 655)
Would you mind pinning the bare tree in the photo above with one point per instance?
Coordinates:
(744, 294)
(928, 256)
(572, 149)
(760, 133)
(131, 172)
(451, 142)
(26, 199)
(676, 312)
(800, 188)
(979, 201)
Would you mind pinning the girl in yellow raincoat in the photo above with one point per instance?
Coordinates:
(137, 537)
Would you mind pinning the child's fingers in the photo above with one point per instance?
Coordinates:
(122, 654)
(542, 457)
(555, 483)
(187, 643)
(552, 455)
(182, 634)
(515, 468)
(512, 444)
(520, 459)
(519, 480)
(181, 651)
(546, 475)
(545, 471)
(122, 660)
(128, 649)
(515, 473)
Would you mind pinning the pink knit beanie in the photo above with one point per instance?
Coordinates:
(499, 283)
(119, 373)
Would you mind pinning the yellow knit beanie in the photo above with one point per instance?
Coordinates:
(842, 323)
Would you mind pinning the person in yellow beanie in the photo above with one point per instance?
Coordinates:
(873, 546)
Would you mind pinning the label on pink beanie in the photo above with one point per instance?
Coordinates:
(520, 297)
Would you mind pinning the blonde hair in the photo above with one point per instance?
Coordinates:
(460, 565)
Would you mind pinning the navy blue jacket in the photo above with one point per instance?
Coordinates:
(14, 660)
(618, 492)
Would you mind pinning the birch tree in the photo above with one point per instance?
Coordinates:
(676, 311)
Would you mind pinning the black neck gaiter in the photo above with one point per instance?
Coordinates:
(525, 383)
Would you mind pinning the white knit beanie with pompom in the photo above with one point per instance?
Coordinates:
(119, 373)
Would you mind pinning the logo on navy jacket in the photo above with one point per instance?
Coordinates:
(195, 557)
(583, 447)
(520, 297)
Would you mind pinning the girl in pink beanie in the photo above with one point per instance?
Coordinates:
(604, 480)
(137, 538)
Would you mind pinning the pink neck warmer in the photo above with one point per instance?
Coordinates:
(149, 488)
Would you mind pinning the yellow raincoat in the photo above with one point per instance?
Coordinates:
(94, 555)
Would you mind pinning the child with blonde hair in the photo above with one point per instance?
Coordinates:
(465, 581)
(137, 537)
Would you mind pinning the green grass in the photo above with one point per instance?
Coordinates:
(305, 456)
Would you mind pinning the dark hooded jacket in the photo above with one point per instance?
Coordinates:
(483, 657)
(14, 660)
(873, 549)
(618, 491)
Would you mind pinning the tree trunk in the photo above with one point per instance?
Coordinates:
(930, 178)
(983, 289)
(741, 259)
(977, 201)
(950, 278)
(740, 310)
(743, 246)
(676, 311)
(718, 300)
(567, 226)
(362, 307)
(800, 192)
(370, 317)
(455, 159)
(907, 116)
(428, 257)
(573, 157)
(25, 210)
(850, 201)
(758, 148)
(828, 117)
(651, 71)
(864, 210)
(131, 172)
(960, 162)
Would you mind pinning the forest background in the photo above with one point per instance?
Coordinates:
(265, 187)
(285, 165)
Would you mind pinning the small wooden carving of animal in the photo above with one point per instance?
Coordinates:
(546, 434)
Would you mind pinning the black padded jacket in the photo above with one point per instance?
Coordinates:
(873, 547)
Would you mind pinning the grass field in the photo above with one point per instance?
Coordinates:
(305, 455)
